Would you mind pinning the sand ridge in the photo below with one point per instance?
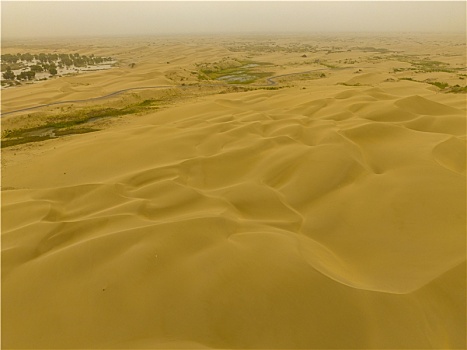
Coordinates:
(325, 217)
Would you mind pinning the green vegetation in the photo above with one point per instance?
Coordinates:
(427, 66)
(8, 74)
(233, 71)
(267, 46)
(423, 65)
(147, 103)
(350, 84)
(457, 89)
(431, 66)
(439, 84)
(12, 66)
(36, 68)
(84, 116)
(26, 139)
(371, 49)
(269, 88)
(26, 75)
(69, 122)
(327, 64)
(65, 124)
(445, 87)
(63, 132)
(13, 141)
(44, 62)
(300, 77)
(396, 70)
(237, 88)
(53, 70)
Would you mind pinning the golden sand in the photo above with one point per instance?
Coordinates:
(326, 214)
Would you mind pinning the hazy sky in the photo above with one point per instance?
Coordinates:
(32, 19)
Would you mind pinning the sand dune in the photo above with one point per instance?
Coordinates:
(319, 218)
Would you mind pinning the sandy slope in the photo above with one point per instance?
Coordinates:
(331, 217)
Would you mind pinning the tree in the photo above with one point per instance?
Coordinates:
(36, 68)
(8, 74)
(66, 61)
(63, 57)
(42, 57)
(30, 75)
(26, 75)
(22, 76)
(27, 57)
(9, 58)
(79, 62)
(53, 70)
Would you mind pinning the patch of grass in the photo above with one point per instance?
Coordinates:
(270, 88)
(21, 136)
(63, 124)
(371, 49)
(237, 88)
(423, 65)
(328, 65)
(396, 70)
(258, 63)
(300, 77)
(439, 84)
(147, 103)
(429, 63)
(349, 84)
(234, 71)
(266, 46)
(74, 131)
(18, 141)
(243, 81)
(432, 66)
(251, 77)
(81, 117)
(445, 87)
(457, 89)
(216, 74)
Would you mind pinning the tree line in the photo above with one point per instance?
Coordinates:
(44, 62)
(28, 75)
(74, 59)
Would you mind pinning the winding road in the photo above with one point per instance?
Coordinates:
(270, 82)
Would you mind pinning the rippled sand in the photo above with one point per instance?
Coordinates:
(325, 217)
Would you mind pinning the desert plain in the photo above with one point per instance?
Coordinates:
(287, 191)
